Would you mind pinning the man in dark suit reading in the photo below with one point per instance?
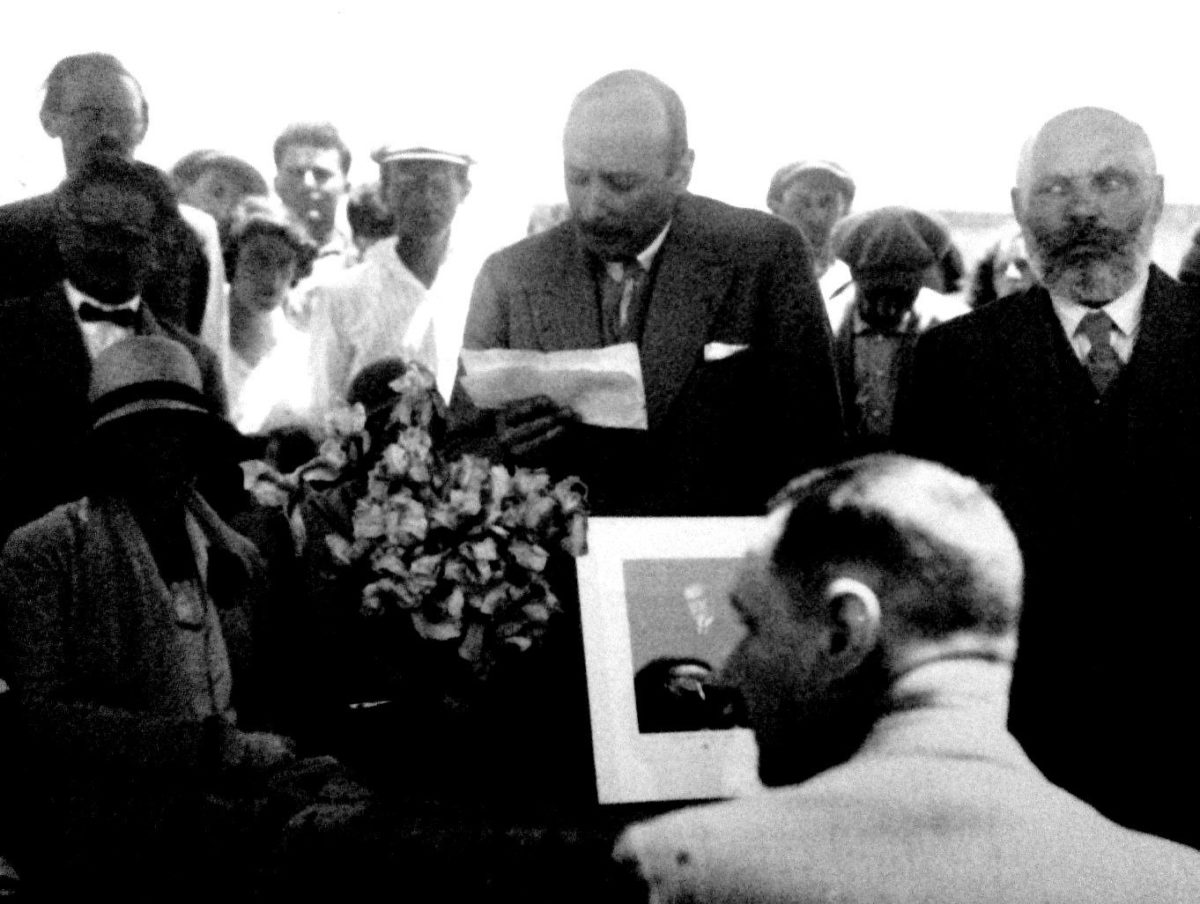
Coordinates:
(1079, 402)
(880, 611)
(734, 346)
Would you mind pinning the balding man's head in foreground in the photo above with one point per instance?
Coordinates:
(867, 571)
(1088, 198)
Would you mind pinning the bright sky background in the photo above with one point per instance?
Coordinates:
(926, 103)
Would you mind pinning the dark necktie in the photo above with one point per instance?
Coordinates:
(620, 297)
(95, 313)
(1103, 362)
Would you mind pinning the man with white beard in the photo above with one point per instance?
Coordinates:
(1079, 403)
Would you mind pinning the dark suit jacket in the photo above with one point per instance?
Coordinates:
(1105, 497)
(30, 263)
(45, 370)
(937, 806)
(724, 434)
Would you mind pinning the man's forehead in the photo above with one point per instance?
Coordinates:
(417, 168)
(1088, 141)
(618, 130)
(92, 89)
(814, 182)
(303, 155)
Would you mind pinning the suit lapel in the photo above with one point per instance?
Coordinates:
(684, 295)
(564, 308)
(62, 339)
(1045, 380)
(1162, 369)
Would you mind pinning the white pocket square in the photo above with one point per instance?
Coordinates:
(719, 351)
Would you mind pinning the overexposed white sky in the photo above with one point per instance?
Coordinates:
(925, 102)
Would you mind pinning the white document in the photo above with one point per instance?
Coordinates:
(603, 385)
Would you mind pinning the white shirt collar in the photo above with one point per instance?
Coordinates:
(645, 257)
(1125, 310)
(76, 298)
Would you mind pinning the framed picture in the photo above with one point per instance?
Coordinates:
(657, 625)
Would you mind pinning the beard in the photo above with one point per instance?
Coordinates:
(825, 727)
(1088, 262)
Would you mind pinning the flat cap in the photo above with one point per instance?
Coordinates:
(391, 153)
(786, 175)
(189, 168)
(890, 240)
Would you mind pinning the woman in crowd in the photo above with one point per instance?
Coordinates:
(267, 252)
(1002, 271)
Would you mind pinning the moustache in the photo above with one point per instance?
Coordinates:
(600, 230)
(1087, 240)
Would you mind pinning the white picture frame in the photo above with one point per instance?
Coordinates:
(659, 587)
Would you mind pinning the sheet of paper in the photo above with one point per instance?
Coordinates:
(603, 385)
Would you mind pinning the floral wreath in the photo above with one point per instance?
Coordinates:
(460, 547)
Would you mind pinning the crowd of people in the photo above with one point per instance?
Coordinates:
(160, 328)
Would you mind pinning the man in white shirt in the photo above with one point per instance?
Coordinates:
(312, 177)
(1079, 402)
(391, 305)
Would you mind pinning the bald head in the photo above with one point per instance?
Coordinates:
(648, 106)
(1088, 198)
(1078, 137)
(946, 559)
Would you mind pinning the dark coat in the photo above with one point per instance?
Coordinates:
(30, 262)
(114, 772)
(45, 369)
(1104, 494)
(723, 434)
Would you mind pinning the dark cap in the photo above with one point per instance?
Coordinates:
(191, 166)
(890, 240)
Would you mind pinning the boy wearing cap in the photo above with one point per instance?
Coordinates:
(884, 310)
(814, 195)
(395, 304)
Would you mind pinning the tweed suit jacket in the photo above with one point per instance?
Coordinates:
(1104, 494)
(90, 642)
(724, 432)
(939, 805)
(45, 369)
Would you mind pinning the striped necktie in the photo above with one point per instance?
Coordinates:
(1102, 361)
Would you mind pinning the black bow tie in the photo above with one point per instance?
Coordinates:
(93, 313)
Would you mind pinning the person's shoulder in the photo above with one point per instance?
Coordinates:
(35, 209)
(1181, 296)
(202, 224)
(360, 277)
(711, 232)
(47, 533)
(534, 252)
(991, 325)
(205, 357)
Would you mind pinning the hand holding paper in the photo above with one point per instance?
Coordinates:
(602, 386)
(527, 426)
